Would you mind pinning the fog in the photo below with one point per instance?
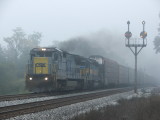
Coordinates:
(99, 24)
(104, 43)
(99, 43)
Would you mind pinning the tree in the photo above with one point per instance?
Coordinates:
(18, 47)
(2, 55)
(13, 60)
(157, 40)
(20, 43)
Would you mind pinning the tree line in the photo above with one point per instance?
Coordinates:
(13, 60)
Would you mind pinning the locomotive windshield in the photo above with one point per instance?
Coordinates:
(44, 53)
(41, 54)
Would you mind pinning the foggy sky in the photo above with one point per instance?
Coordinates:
(60, 20)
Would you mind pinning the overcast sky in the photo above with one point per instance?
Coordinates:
(63, 19)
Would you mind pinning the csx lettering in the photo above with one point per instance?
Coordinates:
(40, 65)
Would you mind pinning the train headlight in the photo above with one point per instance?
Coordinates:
(43, 49)
(30, 78)
(46, 78)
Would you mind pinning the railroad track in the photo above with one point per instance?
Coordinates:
(22, 96)
(20, 109)
(33, 95)
(36, 95)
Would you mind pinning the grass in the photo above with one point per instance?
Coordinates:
(13, 87)
(134, 109)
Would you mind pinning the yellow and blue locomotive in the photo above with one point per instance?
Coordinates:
(51, 69)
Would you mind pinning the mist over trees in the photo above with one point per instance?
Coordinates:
(157, 40)
(102, 43)
(13, 59)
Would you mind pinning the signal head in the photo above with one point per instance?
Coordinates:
(128, 34)
(143, 34)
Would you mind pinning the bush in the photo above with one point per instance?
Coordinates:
(134, 109)
(10, 83)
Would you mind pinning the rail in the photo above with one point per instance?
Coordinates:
(16, 110)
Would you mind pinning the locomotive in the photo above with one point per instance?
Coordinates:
(52, 69)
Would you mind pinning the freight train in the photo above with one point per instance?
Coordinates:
(52, 69)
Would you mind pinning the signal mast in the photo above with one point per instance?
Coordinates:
(133, 45)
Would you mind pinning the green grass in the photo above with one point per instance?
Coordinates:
(13, 87)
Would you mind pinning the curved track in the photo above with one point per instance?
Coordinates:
(16, 110)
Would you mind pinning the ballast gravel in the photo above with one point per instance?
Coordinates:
(15, 102)
(67, 112)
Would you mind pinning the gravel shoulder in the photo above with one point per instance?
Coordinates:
(67, 112)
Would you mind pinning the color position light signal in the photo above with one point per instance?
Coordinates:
(143, 34)
(128, 34)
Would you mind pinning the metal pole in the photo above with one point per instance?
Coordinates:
(135, 89)
(128, 75)
(128, 30)
(135, 45)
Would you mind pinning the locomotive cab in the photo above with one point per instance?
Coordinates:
(39, 75)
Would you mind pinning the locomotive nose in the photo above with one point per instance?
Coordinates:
(39, 82)
(41, 65)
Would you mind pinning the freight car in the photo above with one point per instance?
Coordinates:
(52, 69)
(113, 74)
